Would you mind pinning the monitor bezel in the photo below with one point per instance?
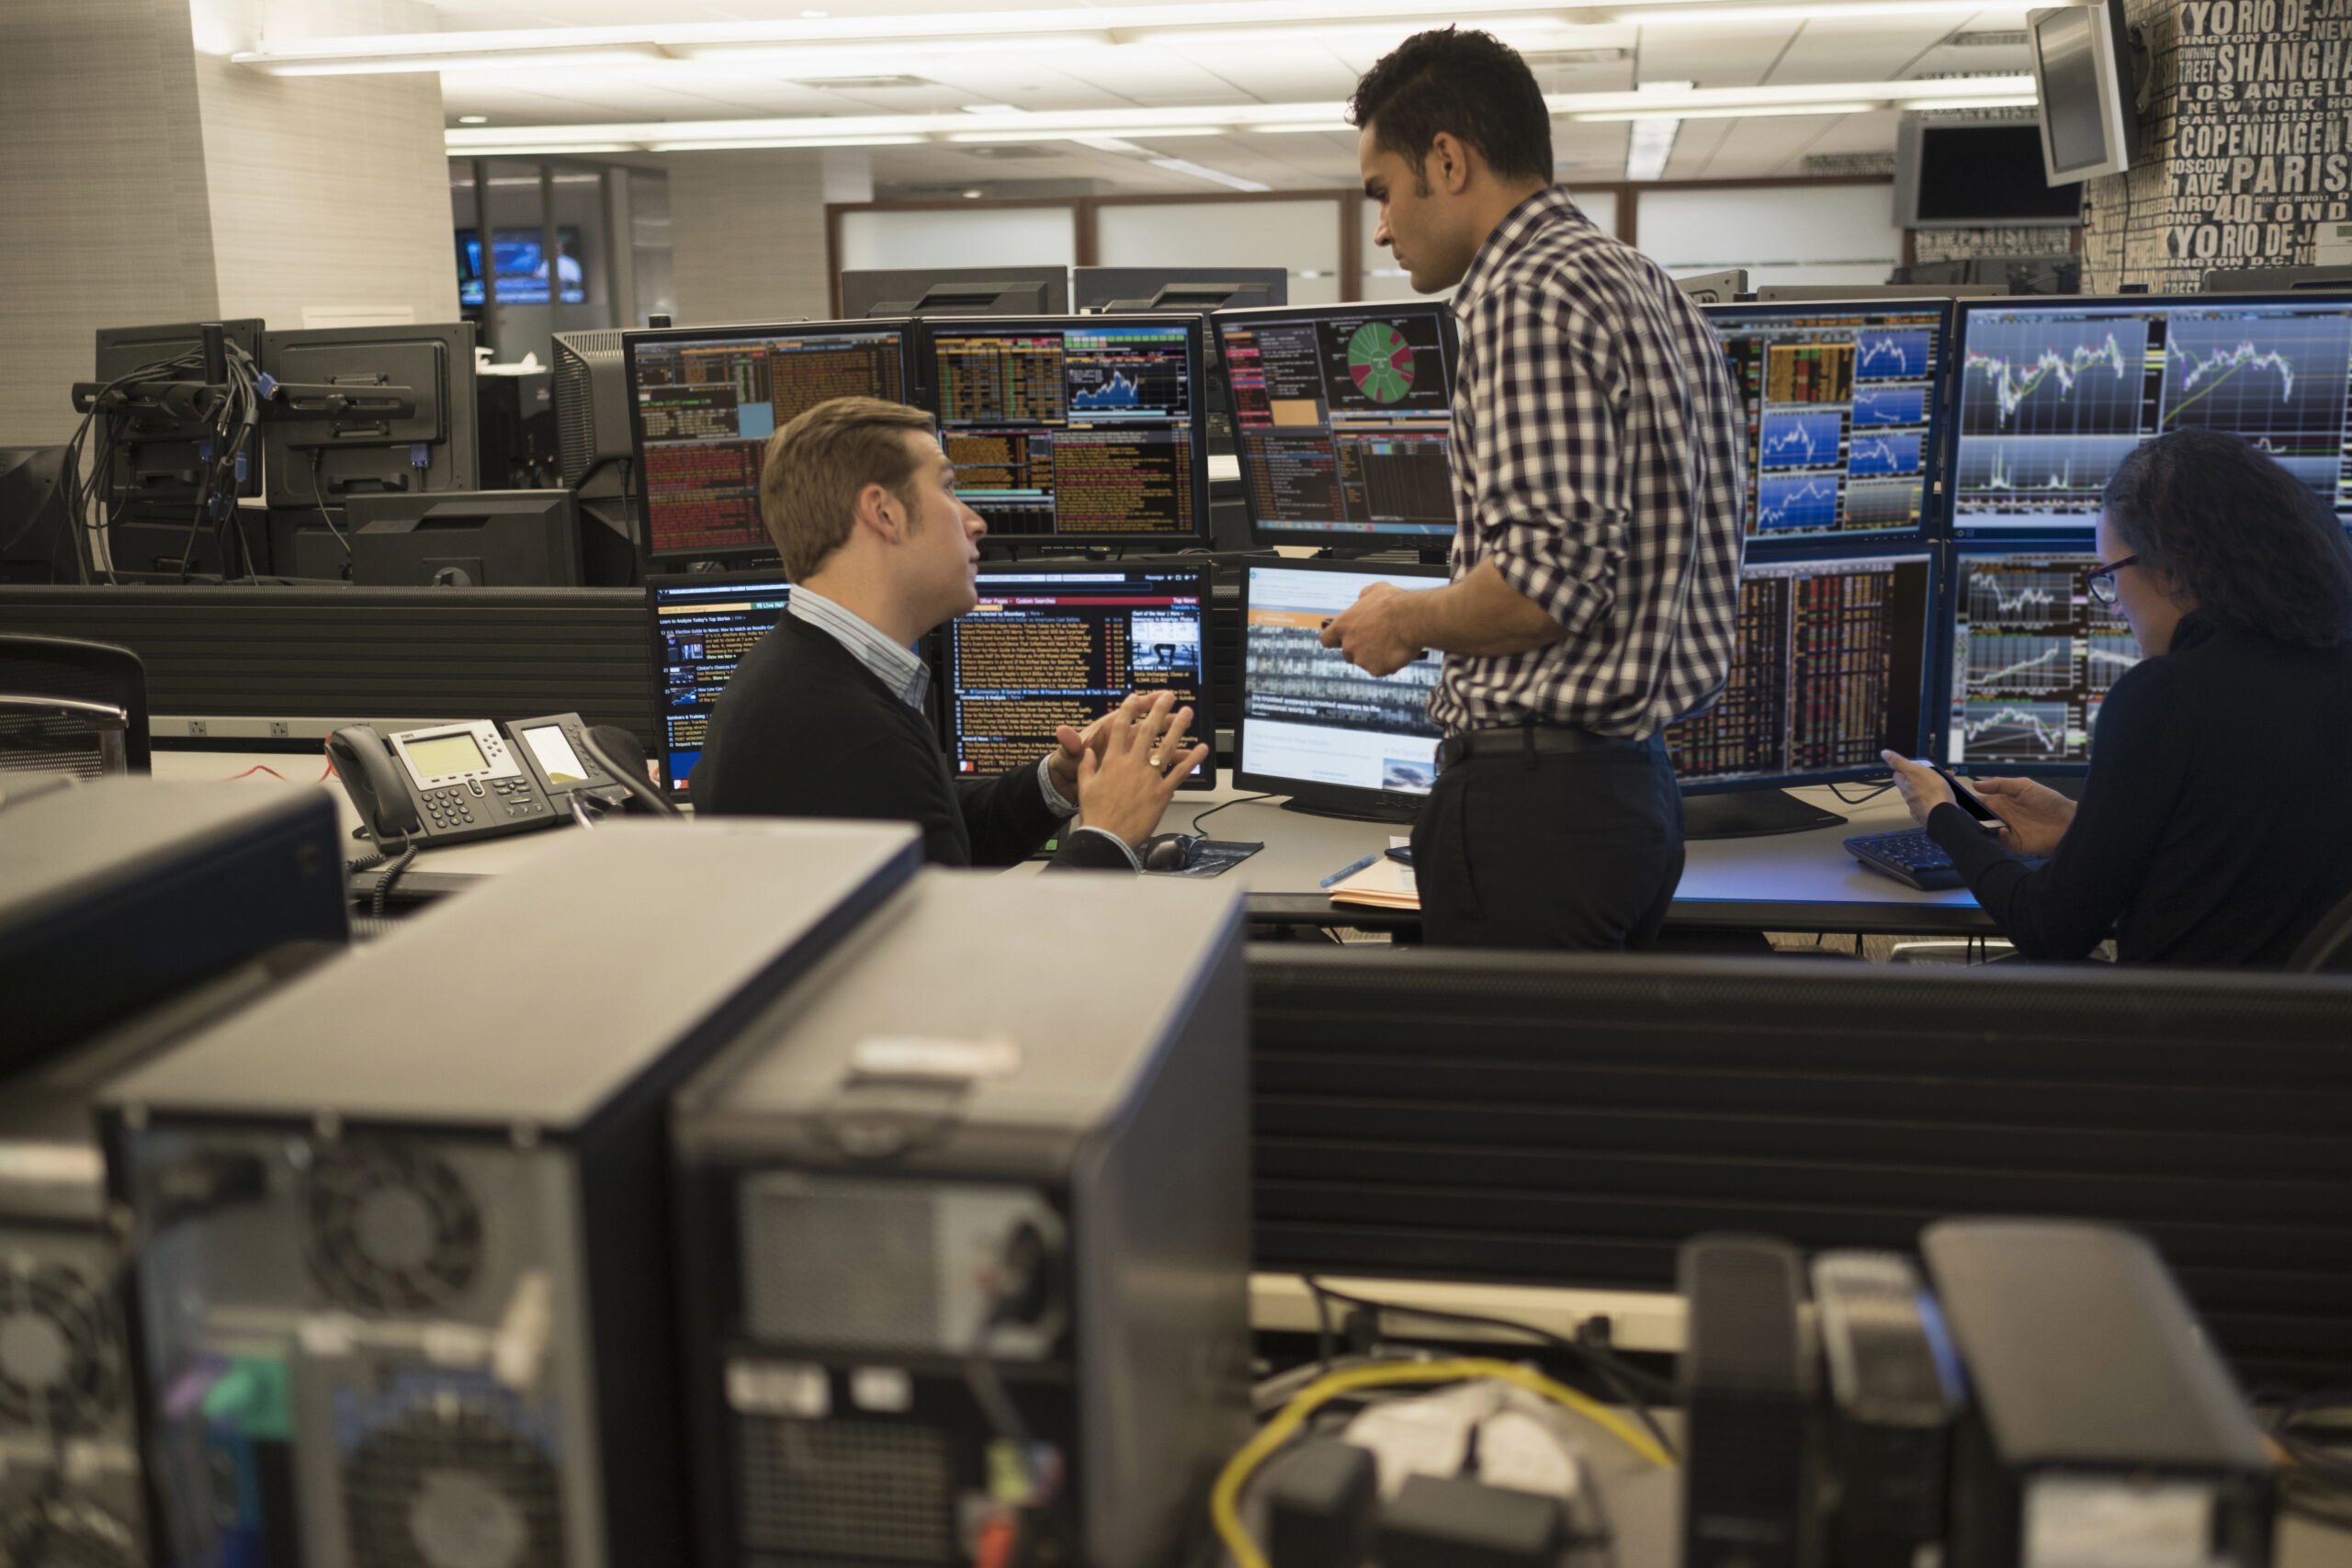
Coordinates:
(1958, 550)
(1934, 630)
(1309, 793)
(1205, 714)
(1935, 449)
(925, 333)
(911, 396)
(1349, 542)
(1951, 528)
(2111, 67)
(673, 788)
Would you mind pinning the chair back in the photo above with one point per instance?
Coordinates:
(67, 705)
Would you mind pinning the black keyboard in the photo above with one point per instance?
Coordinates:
(1911, 858)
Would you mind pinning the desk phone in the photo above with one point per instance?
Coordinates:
(451, 784)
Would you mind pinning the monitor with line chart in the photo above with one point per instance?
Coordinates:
(1846, 418)
(2053, 392)
(1075, 430)
(1831, 667)
(1342, 417)
(2032, 657)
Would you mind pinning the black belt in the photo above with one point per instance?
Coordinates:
(1533, 738)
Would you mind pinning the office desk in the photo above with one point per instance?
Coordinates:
(1796, 881)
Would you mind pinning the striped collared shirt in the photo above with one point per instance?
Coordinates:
(1599, 462)
(900, 668)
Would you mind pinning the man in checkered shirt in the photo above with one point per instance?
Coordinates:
(1599, 487)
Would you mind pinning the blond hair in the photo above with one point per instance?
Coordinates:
(816, 466)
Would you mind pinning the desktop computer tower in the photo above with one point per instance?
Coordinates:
(964, 1234)
(401, 1291)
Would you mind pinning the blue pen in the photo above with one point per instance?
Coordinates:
(1347, 870)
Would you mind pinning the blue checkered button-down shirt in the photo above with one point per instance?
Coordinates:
(1599, 462)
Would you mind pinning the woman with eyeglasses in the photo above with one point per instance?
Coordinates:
(2212, 828)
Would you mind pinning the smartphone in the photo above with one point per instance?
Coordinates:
(1968, 802)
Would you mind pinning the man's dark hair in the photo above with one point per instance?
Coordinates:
(1472, 84)
(2229, 527)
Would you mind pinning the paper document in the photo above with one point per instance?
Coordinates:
(1381, 883)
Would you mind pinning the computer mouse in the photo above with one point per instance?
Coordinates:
(1168, 851)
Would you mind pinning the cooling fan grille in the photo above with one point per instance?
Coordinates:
(66, 1532)
(391, 1227)
(449, 1483)
(60, 1366)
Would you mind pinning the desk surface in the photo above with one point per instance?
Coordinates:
(1802, 882)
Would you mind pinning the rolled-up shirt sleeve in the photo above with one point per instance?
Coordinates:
(1546, 433)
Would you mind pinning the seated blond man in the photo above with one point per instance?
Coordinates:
(825, 718)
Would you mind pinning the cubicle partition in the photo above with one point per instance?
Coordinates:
(265, 667)
(1569, 1120)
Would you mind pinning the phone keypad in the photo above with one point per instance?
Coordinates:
(467, 810)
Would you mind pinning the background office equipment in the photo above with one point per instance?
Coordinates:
(1045, 648)
(418, 1307)
(279, 670)
(2052, 393)
(1313, 726)
(116, 894)
(2090, 1375)
(1746, 1381)
(1832, 666)
(71, 706)
(702, 626)
(1555, 1120)
(174, 410)
(1997, 275)
(1342, 416)
(1039, 291)
(1723, 287)
(703, 402)
(499, 538)
(37, 542)
(2032, 657)
(454, 783)
(1077, 431)
(2089, 73)
(1973, 173)
(1116, 290)
(1848, 416)
(318, 457)
(595, 454)
(2276, 279)
(951, 1262)
(1810, 293)
(1893, 1388)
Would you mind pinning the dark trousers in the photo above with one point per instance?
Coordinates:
(1557, 850)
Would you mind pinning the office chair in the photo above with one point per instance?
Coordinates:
(72, 706)
(2329, 945)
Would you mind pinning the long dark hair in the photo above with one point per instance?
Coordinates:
(2234, 531)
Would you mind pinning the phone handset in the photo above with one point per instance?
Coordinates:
(374, 782)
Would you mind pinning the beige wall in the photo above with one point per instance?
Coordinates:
(747, 231)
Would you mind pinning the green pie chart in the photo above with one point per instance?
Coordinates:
(1381, 361)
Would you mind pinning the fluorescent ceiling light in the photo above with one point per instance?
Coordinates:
(786, 142)
(1922, 93)
(1214, 176)
(2024, 101)
(544, 149)
(1606, 115)
(511, 60)
(1155, 132)
(1649, 143)
(1675, 16)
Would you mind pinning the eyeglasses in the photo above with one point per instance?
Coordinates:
(2101, 583)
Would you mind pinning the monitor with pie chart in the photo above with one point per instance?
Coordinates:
(1340, 417)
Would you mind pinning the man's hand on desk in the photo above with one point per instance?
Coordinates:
(1125, 785)
(1370, 633)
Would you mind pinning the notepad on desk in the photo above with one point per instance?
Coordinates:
(1378, 883)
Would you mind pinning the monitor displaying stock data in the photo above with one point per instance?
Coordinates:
(1047, 646)
(702, 625)
(1313, 726)
(1075, 429)
(704, 401)
(2032, 657)
(1844, 409)
(2053, 392)
(1831, 667)
(1342, 418)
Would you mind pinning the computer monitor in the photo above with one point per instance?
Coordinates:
(1845, 411)
(1315, 728)
(1031, 289)
(1063, 644)
(1075, 430)
(155, 467)
(702, 624)
(2053, 392)
(497, 539)
(704, 401)
(1832, 666)
(2032, 655)
(1129, 289)
(325, 460)
(1977, 174)
(1343, 415)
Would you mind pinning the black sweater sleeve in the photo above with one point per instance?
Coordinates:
(2071, 905)
(1008, 819)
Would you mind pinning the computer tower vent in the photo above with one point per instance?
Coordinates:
(452, 1477)
(65, 1532)
(391, 1227)
(864, 1489)
(60, 1364)
(827, 1263)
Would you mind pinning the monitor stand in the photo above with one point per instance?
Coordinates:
(1400, 812)
(1751, 814)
